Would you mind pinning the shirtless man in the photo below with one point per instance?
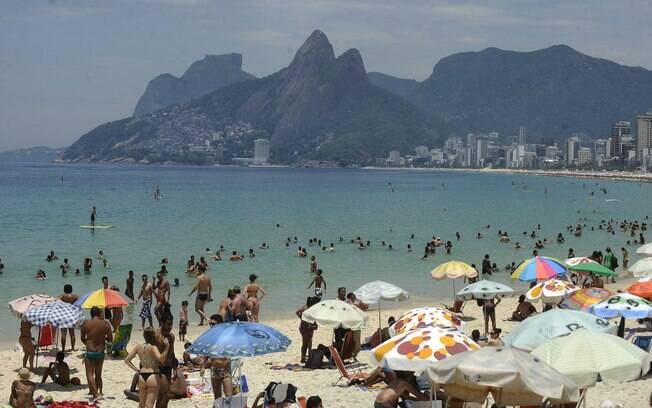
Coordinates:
(239, 305)
(398, 388)
(71, 298)
(203, 287)
(318, 281)
(146, 293)
(95, 333)
(129, 290)
(225, 307)
(169, 367)
(162, 293)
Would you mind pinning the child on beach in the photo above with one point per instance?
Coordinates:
(318, 281)
(183, 320)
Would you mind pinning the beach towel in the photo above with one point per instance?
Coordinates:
(121, 339)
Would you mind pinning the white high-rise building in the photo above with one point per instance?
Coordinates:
(583, 155)
(572, 147)
(522, 135)
(261, 151)
(422, 151)
(394, 158)
(619, 131)
(643, 135)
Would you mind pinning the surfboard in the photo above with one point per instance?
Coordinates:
(96, 226)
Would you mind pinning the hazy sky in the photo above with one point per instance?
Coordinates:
(68, 65)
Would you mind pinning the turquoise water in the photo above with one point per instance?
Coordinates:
(240, 207)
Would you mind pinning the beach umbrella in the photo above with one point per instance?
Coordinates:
(513, 377)
(539, 268)
(21, 305)
(623, 305)
(239, 339)
(588, 265)
(417, 349)
(583, 299)
(102, 298)
(423, 317)
(59, 314)
(374, 292)
(485, 289)
(536, 330)
(551, 291)
(642, 269)
(641, 289)
(335, 313)
(454, 270)
(587, 355)
(645, 250)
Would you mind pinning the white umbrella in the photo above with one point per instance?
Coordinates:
(21, 305)
(642, 269)
(645, 250)
(551, 291)
(485, 289)
(374, 292)
(513, 377)
(423, 317)
(335, 313)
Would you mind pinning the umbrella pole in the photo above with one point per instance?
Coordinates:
(38, 344)
(621, 327)
(380, 325)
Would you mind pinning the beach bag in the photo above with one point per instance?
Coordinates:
(281, 392)
(315, 359)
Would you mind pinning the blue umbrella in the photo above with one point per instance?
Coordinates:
(239, 339)
(79, 302)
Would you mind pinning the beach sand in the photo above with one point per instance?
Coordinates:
(117, 376)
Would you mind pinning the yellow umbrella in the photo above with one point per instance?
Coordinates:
(454, 270)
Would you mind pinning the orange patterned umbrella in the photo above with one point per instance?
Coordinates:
(585, 298)
(641, 289)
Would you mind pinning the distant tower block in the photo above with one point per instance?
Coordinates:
(261, 151)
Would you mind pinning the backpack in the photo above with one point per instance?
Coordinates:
(281, 393)
(315, 359)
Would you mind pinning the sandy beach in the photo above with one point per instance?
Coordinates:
(258, 370)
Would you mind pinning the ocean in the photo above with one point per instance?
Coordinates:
(42, 207)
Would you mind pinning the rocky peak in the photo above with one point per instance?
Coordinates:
(315, 53)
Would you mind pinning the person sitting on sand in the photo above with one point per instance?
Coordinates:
(380, 335)
(494, 338)
(352, 299)
(398, 389)
(22, 391)
(189, 359)
(59, 371)
(523, 310)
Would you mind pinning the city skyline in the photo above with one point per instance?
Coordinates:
(96, 59)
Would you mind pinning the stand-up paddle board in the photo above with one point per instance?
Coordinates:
(96, 226)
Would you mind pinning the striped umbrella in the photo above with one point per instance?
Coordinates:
(102, 298)
(59, 314)
(584, 299)
(539, 268)
(21, 305)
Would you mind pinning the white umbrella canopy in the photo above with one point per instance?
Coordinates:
(485, 289)
(335, 313)
(376, 291)
(60, 314)
(623, 305)
(551, 291)
(642, 269)
(21, 305)
(586, 355)
(645, 250)
(513, 377)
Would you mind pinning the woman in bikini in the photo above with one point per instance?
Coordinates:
(252, 290)
(25, 341)
(150, 360)
(22, 391)
(220, 369)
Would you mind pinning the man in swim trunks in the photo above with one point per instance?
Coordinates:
(93, 216)
(203, 287)
(318, 281)
(169, 367)
(146, 294)
(239, 305)
(162, 293)
(129, 290)
(95, 333)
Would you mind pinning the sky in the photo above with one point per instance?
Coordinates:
(66, 66)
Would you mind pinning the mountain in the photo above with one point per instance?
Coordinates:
(37, 154)
(319, 107)
(202, 77)
(399, 86)
(553, 92)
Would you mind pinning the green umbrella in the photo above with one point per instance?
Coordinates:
(589, 266)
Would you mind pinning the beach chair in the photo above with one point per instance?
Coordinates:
(342, 369)
(643, 342)
(46, 336)
(121, 338)
(235, 401)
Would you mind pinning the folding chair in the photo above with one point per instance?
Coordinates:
(342, 369)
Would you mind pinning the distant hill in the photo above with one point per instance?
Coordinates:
(202, 77)
(38, 154)
(319, 107)
(401, 87)
(553, 92)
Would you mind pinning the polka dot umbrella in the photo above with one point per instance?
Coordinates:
(551, 291)
(423, 317)
(417, 349)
